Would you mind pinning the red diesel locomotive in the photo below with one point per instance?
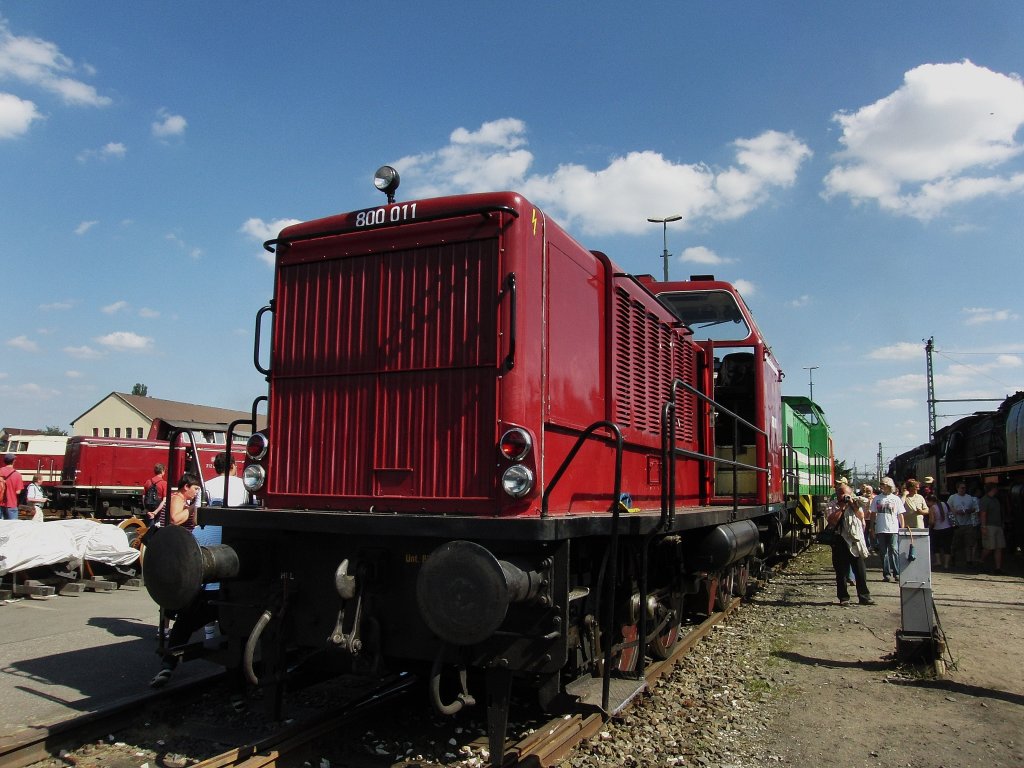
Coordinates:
(489, 448)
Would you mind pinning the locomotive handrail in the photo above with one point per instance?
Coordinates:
(230, 438)
(510, 289)
(791, 469)
(485, 210)
(670, 452)
(613, 545)
(256, 343)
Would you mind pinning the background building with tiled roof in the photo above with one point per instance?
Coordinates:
(121, 415)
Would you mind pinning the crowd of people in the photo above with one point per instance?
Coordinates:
(965, 531)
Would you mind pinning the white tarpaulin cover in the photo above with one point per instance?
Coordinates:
(28, 544)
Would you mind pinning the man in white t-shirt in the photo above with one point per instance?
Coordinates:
(964, 507)
(237, 495)
(888, 511)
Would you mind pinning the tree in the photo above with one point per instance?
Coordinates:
(141, 390)
(840, 468)
(54, 431)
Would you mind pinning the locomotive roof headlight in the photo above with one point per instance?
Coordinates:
(515, 444)
(254, 477)
(256, 446)
(517, 481)
(386, 179)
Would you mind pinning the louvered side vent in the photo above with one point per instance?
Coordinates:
(684, 364)
(648, 356)
(624, 345)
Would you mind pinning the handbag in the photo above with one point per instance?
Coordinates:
(830, 536)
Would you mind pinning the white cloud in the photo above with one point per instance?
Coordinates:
(168, 125)
(800, 301)
(908, 382)
(73, 374)
(16, 116)
(489, 158)
(932, 143)
(83, 353)
(261, 231)
(979, 315)
(1009, 361)
(85, 226)
(745, 288)
(114, 308)
(148, 313)
(617, 198)
(40, 63)
(24, 343)
(107, 151)
(900, 404)
(192, 251)
(899, 351)
(58, 306)
(126, 341)
(28, 391)
(698, 254)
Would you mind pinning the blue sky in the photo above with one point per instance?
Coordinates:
(856, 167)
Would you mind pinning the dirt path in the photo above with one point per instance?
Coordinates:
(842, 699)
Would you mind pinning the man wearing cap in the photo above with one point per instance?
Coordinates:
(926, 487)
(14, 485)
(889, 518)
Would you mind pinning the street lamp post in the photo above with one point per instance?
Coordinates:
(664, 234)
(810, 373)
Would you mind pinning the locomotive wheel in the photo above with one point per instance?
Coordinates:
(741, 582)
(135, 529)
(626, 660)
(723, 586)
(662, 644)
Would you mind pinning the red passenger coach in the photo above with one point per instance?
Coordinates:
(488, 448)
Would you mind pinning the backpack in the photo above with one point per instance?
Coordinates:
(151, 500)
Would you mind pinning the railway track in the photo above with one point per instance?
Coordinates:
(291, 744)
(43, 742)
(545, 746)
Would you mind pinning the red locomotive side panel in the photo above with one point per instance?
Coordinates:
(100, 462)
(101, 472)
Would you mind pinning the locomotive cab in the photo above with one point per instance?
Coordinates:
(746, 390)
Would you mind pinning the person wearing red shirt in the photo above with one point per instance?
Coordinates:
(14, 485)
(153, 515)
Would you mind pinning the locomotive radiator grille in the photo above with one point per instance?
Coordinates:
(385, 385)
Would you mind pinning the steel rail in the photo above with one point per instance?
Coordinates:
(552, 743)
(42, 742)
(268, 751)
